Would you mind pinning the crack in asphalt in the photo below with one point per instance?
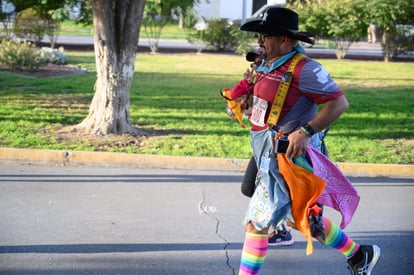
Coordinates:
(208, 210)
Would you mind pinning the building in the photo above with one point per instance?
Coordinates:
(232, 9)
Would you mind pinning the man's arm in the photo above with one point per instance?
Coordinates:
(328, 114)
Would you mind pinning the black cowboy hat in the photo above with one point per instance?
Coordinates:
(278, 21)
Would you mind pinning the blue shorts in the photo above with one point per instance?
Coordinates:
(270, 203)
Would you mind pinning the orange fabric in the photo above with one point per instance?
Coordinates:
(304, 188)
(234, 106)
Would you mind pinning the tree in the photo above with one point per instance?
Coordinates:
(6, 13)
(155, 20)
(388, 16)
(339, 21)
(35, 18)
(31, 24)
(116, 32)
(348, 21)
(157, 15)
(345, 25)
(43, 16)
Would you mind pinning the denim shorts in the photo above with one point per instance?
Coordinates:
(270, 203)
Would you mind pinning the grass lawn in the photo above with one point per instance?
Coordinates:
(175, 101)
(170, 31)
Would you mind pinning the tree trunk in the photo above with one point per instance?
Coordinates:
(386, 46)
(181, 20)
(116, 32)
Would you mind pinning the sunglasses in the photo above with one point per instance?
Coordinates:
(262, 36)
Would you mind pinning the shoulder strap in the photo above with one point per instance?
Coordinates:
(282, 91)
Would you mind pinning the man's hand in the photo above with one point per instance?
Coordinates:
(298, 141)
(330, 112)
(249, 75)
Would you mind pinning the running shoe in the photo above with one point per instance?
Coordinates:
(371, 254)
(281, 238)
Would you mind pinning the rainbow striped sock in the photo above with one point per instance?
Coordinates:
(337, 239)
(253, 254)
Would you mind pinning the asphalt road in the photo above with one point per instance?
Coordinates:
(117, 220)
(357, 51)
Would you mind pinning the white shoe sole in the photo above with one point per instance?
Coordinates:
(375, 257)
(285, 243)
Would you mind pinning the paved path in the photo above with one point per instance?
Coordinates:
(123, 220)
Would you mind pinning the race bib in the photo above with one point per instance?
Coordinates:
(259, 111)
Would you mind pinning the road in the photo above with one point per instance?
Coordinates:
(360, 50)
(118, 220)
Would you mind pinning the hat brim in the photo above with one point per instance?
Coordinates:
(259, 27)
(305, 37)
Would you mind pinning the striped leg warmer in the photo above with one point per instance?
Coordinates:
(337, 239)
(253, 254)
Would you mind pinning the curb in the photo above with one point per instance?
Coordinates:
(80, 158)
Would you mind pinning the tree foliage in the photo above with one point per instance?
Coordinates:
(55, 9)
(339, 21)
(35, 18)
(158, 13)
(389, 17)
(33, 25)
(347, 20)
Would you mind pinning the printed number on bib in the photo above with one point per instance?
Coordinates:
(259, 111)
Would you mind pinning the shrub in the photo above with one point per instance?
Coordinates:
(245, 41)
(53, 56)
(219, 35)
(222, 36)
(20, 56)
(190, 18)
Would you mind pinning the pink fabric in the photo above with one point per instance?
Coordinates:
(339, 192)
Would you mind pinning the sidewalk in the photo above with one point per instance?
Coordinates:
(104, 159)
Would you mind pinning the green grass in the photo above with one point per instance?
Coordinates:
(176, 99)
(170, 31)
(70, 27)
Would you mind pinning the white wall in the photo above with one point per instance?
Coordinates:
(233, 9)
(276, 2)
(207, 10)
(230, 9)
